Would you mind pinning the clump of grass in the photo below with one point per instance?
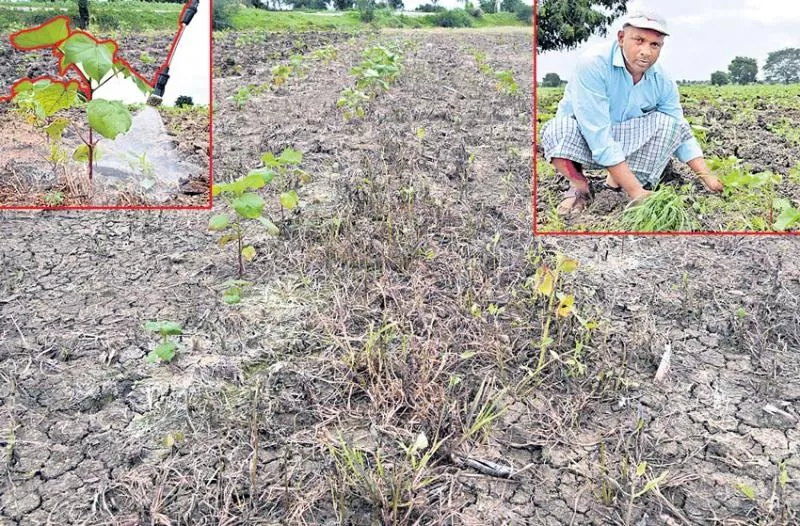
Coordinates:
(665, 210)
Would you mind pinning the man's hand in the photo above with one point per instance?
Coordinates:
(622, 175)
(710, 181)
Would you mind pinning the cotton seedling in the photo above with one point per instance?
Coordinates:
(246, 205)
(165, 350)
(95, 62)
(506, 82)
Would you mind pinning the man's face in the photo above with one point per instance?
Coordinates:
(640, 47)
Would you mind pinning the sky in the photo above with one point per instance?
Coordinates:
(705, 35)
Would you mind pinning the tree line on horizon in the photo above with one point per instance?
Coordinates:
(782, 67)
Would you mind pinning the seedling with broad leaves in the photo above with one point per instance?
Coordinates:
(165, 350)
(241, 197)
(46, 98)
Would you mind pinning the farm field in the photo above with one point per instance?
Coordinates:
(401, 350)
(750, 140)
(37, 170)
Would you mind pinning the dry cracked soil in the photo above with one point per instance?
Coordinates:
(398, 302)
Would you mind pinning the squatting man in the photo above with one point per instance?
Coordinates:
(621, 112)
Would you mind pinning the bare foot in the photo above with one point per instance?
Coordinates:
(574, 202)
(610, 183)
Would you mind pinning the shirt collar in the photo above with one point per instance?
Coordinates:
(619, 61)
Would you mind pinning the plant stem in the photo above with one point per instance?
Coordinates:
(91, 154)
(239, 241)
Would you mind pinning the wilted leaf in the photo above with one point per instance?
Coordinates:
(227, 238)
(272, 229)
(565, 306)
(567, 266)
(289, 199)
(420, 443)
(466, 355)
(218, 222)
(545, 281)
(249, 252)
(56, 128)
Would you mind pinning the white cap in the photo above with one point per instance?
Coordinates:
(647, 21)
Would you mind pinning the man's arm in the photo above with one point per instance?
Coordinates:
(689, 152)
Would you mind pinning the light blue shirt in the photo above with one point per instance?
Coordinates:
(602, 93)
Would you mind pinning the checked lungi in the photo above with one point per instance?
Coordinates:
(648, 143)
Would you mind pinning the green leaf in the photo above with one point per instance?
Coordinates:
(81, 154)
(747, 491)
(232, 296)
(254, 180)
(270, 226)
(289, 199)
(55, 97)
(46, 35)
(248, 205)
(269, 160)
(263, 173)
(93, 57)
(56, 128)
(788, 218)
(291, 156)
(164, 351)
(218, 222)
(108, 118)
(249, 253)
(164, 328)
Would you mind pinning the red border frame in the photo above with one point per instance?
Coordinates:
(152, 83)
(534, 193)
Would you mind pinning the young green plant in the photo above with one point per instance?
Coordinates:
(95, 63)
(246, 205)
(165, 350)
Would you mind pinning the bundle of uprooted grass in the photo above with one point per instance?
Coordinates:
(665, 210)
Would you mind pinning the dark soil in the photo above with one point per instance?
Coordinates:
(369, 323)
(754, 141)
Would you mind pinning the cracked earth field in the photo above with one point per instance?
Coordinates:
(374, 319)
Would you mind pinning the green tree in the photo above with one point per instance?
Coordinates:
(720, 78)
(564, 24)
(551, 80)
(743, 70)
(783, 66)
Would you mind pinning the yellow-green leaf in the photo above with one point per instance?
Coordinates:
(218, 222)
(747, 491)
(565, 306)
(249, 253)
(567, 266)
(289, 199)
(45, 35)
(641, 468)
(545, 281)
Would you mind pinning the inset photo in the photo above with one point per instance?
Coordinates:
(646, 123)
(105, 105)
